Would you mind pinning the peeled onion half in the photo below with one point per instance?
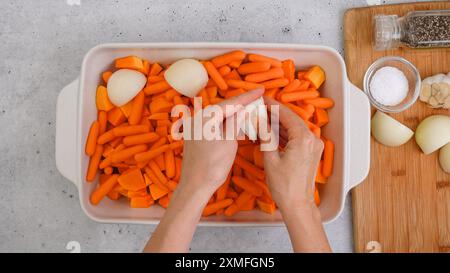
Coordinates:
(444, 158)
(187, 76)
(433, 133)
(123, 86)
(388, 131)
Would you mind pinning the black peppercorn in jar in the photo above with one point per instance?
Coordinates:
(418, 29)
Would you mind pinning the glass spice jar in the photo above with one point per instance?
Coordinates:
(417, 29)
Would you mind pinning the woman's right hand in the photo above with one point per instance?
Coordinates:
(291, 173)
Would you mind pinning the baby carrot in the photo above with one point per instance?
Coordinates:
(304, 85)
(258, 157)
(91, 141)
(102, 121)
(171, 93)
(155, 69)
(260, 58)
(116, 142)
(106, 75)
(328, 154)
(154, 178)
(94, 161)
(231, 193)
(320, 117)
(233, 75)
(101, 191)
(324, 103)
(320, 178)
(214, 207)
(243, 84)
(119, 156)
(303, 95)
(130, 62)
(271, 93)
(108, 170)
(169, 160)
(227, 58)
(292, 86)
(234, 93)
(159, 116)
(231, 210)
(224, 70)
(176, 144)
(288, 69)
(215, 75)
(156, 88)
(235, 64)
(143, 156)
(136, 110)
(157, 171)
(130, 130)
(299, 111)
(247, 185)
(281, 82)
(211, 91)
(249, 167)
(155, 79)
(253, 67)
(271, 74)
(177, 169)
(160, 105)
(140, 139)
(221, 193)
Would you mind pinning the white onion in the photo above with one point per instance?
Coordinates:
(444, 158)
(124, 84)
(433, 133)
(389, 131)
(187, 76)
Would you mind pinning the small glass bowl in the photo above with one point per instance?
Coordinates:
(411, 73)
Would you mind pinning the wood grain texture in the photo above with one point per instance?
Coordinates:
(404, 204)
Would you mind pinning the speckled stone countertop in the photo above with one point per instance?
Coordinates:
(43, 43)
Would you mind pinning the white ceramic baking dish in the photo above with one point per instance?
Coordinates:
(349, 127)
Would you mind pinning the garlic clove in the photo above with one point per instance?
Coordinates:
(425, 92)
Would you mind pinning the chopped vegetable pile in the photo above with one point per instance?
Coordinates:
(131, 146)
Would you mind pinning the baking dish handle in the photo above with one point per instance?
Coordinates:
(66, 139)
(359, 137)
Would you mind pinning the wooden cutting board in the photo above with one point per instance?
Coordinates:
(404, 204)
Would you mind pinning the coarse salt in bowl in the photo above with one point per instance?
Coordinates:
(405, 101)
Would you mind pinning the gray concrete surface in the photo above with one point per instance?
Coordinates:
(42, 45)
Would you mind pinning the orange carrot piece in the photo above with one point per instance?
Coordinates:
(227, 58)
(163, 123)
(108, 170)
(156, 88)
(246, 151)
(164, 201)
(102, 122)
(160, 105)
(276, 83)
(315, 75)
(235, 64)
(253, 67)
(324, 103)
(271, 93)
(303, 95)
(171, 93)
(107, 150)
(292, 86)
(172, 185)
(145, 67)
(94, 161)
(101, 191)
(159, 143)
(221, 192)
(231, 210)
(116, 142)
(154, 178)
(233, 75)
(249, 205)
(303, 114)
(320, 117)
(91, 141)
(116, 117)
(247, 185)
(316, 197)
(132, 180)
(249, 167)
(234, 93)
(214, 207)
(237, 171)
(154, 79)
(273, 73)
(136, 110)
(215, 75)
(258, 157)
(304, 85)
(141, 202)
(159, 116)
(243, 84)
(130, 62)
(157, 191)
(169, 160)
(102, 100)
(144, 156)
(155, 69)
(224, 70)
(140, 139)
(119, 156)
(260, 58)
(266, 207)
(126, 108)
(300, 74)
(211, 91)
(161, 131)
(288, 67)
(328, 156)
(106, 75)
(130, 130)
(231, 193)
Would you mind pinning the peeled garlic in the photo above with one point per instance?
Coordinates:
(435, 91)
(124, 84)
(389, 131)
(187, 76)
